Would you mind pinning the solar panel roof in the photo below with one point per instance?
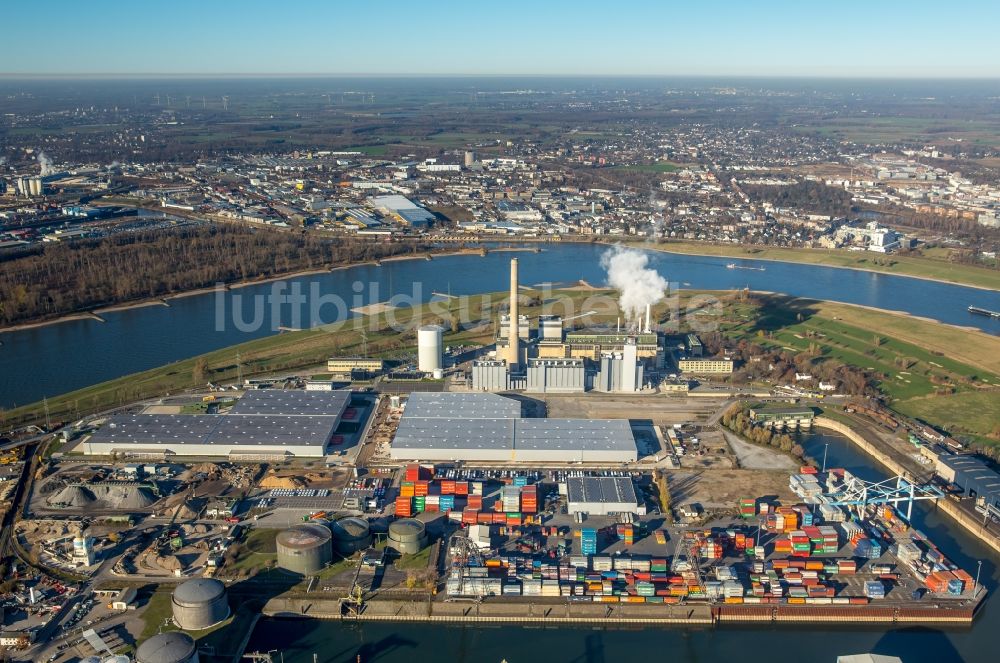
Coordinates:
(574, 434)
(292, 402)
(455, 405)
(601, 489)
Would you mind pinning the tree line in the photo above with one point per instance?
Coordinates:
(67, 277)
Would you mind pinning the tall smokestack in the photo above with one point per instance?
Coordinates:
(513, 350)
(648, 327)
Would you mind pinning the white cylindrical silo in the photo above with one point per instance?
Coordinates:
(429, 348)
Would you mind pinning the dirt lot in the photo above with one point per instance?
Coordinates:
(660, 409)
(722, 489)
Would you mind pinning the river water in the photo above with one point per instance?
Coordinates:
(332, 642)
(54, 359)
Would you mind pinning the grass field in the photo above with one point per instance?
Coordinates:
(923, 267)
(919, 362)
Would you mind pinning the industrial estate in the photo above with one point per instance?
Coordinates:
(560, 474)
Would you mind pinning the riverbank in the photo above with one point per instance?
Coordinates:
(164, 300)
(925, 269)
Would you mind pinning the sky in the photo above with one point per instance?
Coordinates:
(834, 38)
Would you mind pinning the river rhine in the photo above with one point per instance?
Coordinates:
(332, 642)
(57, 358)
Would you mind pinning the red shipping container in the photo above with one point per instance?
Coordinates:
(461, 487)
(475, 501)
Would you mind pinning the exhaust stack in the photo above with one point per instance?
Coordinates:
(648, 326)
(513, 350)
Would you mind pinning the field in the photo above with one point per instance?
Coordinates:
(923, 267)
(946, 376)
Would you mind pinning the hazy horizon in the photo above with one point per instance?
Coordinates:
(853, 39)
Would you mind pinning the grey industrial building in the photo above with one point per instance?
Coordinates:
(490, 375)
(556, 376)
(450, 426)
(263, 424)
(620, 372)
(974, 477)
(602, 496)
(199, 603)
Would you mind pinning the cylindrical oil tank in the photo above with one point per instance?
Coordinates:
(170, 647)
(430, 348)
(199, 603)
(305, 549)
(407, 536)
(351, 535)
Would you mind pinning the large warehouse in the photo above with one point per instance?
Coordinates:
(489, 428)
(602, 496)
(264, 424)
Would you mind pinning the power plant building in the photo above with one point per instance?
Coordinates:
(560, 376)
(263, 424)
(305, 549)
(451, 427)
(490, 375)
(199, 603)
(620, 373)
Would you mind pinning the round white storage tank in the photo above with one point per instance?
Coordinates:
(305, 549)
(438, 374)
(429, 348)
(199, 603)
(351, 535)
(407, 536)
(170, 647)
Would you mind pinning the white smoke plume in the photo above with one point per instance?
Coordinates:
(629, 273)
(45, 164)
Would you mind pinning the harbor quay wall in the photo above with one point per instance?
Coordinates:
(617, 614)
(972, 524)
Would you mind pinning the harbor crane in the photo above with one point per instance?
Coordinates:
(859, 494)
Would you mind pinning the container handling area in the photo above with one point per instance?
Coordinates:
(464, 507)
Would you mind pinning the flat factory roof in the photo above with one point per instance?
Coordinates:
(292, 402)
(460, 406)
(222, 429)
(574, 435)
(601, 490)
(429, 433)
(264, 418)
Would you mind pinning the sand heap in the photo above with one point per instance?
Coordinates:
(274, 481)
(170, 563)
(72, 496)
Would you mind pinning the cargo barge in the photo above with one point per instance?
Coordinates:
(984, 311)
